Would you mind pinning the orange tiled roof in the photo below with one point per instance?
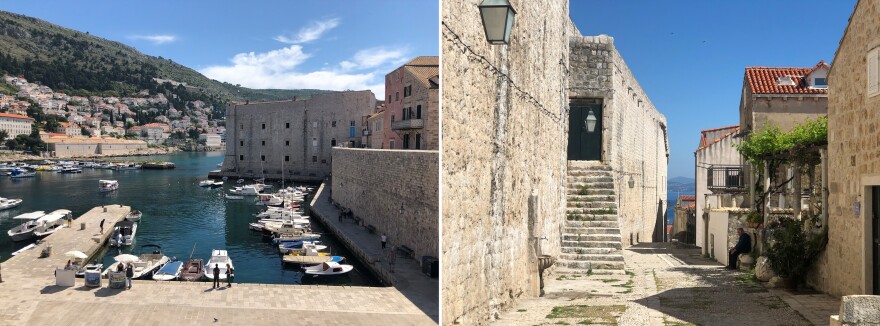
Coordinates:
(692, 205)
(687, 197)
(15, 116)
(763, 80)
(705, 142)
(424, 61)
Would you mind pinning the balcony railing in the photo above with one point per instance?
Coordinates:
(408, 124)
(728, 178)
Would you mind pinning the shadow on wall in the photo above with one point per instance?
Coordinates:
(659, 231)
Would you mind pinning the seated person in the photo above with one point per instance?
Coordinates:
(743, 246)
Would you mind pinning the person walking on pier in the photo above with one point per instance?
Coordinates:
(384, 240)
(129, 273)
(102, 226)
(216, 276)
(228, 276)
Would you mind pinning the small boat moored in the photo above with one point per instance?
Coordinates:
(193, 270)
(169, 271)
(328, 269)
(107, 185)
(219, 258)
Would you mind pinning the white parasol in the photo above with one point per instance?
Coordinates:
(76, 254)
(126, 258)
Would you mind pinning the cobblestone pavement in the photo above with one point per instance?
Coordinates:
(28, 295)
(664, 285)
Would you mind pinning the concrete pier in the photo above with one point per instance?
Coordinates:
(29, 296)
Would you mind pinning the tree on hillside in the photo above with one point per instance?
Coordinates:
(3, 135)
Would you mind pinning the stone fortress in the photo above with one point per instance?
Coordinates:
(293, 139)
(514, 190)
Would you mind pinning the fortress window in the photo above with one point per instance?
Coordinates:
(287, 125)
(264, 126)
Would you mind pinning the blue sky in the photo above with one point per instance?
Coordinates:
(262, 44)
(690, 56)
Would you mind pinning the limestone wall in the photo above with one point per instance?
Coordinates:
(504, 155)
(292, 138)
(854, 159)
(634, 137)
(396, 192)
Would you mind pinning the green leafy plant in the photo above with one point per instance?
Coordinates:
(754, 219)
(792, 250)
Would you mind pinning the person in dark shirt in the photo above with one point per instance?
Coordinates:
(129, 273)
(743, 246)
(216, 276)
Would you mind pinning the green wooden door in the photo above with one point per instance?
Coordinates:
(582, 144)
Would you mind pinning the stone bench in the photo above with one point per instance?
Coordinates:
(858, 310)
(371, 228)
(406, 251)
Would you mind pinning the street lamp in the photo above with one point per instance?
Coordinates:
(590, 121)
(497, 18)
(632, 182)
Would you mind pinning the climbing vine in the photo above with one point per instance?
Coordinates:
(774, 144)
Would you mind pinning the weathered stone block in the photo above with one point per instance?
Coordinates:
(860, 310)
(762, 269)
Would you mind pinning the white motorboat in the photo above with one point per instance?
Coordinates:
(145, 264)
(288, 247)
(134, 216)
(270, 200)
(123, 234)
(70, 169)
(81, 272)
(287, 226)
(206, 183)
(51, 222)
(25, 230)
(170, 271)
(328, 269)
(280, 213)
(9, 203)
(107, 185)
(219, 258)
(289, 237)
(228, 196)
(249, 190)
(19, 173)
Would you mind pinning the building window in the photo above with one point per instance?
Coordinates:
(241, 157)
(314, 124)
(418, 141)
(389, 98)
(351, 123)
(333, 142)
(873, 63)
(315, 142)
(264, 126)
(286, 158)
(262, 157)
(286, 143)
(314, 159)
(392, 118)
(333, 124)
(820, 83)
(391, 144)
(403, 114)
(397, 96)
(287, 125)
(405, 141)
(418, 111)
(241, 143)
(263, 142)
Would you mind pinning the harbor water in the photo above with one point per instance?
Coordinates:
(178, 215)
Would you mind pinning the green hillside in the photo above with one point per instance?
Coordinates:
(82, 64)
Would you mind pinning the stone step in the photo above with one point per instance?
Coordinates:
(577, 271)
(592, 224)
(577, 230)
(590, 185)
(592, 198)
(588, 265)
(589, 191)
(591, 257)
(590, 204)
(590, 217)
(612, 211)
(588, 179)
(589, 251)
(592, 244)
(591, 237)
(587, 167)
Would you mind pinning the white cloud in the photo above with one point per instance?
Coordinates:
(155, 39)
(278, 69)
(372, 58)
(309, 33)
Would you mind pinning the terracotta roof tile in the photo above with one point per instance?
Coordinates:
(15, 116)
(423, 73)
(687, 197)
(705, 142)
(763, 80)
(424, 61)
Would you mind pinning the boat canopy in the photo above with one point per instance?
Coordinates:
(107, 181)
(54, 216)
(125, 224)
(30, 216)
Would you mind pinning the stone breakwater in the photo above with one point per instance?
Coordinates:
(7, 156)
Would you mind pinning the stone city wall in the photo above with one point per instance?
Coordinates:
(634, 138)
(83, 147)
(396, 192)
(854, 160)
(504, 155)
(292, 139)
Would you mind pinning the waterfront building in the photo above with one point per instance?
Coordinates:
(374, 129)
(850, 263)
(68, 128)
(155, 133)
(293, 139)
(80, 147)
(520, 163)
(15, 124)
(412, 107)
(212, 141)
(683, 227)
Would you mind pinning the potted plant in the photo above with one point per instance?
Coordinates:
(792, 250)
(754, 219)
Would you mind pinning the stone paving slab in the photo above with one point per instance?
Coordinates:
(28, 295)
(667, 286)
(422, 290)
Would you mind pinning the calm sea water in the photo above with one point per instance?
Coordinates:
(178, 214)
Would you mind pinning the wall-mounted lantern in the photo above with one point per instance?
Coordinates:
(497, 18)
(632, 182)
(590, 121)
(401, 209)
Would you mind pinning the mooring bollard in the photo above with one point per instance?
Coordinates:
(82, 226)
(105, 208)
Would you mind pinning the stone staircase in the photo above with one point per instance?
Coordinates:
(591, 239)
